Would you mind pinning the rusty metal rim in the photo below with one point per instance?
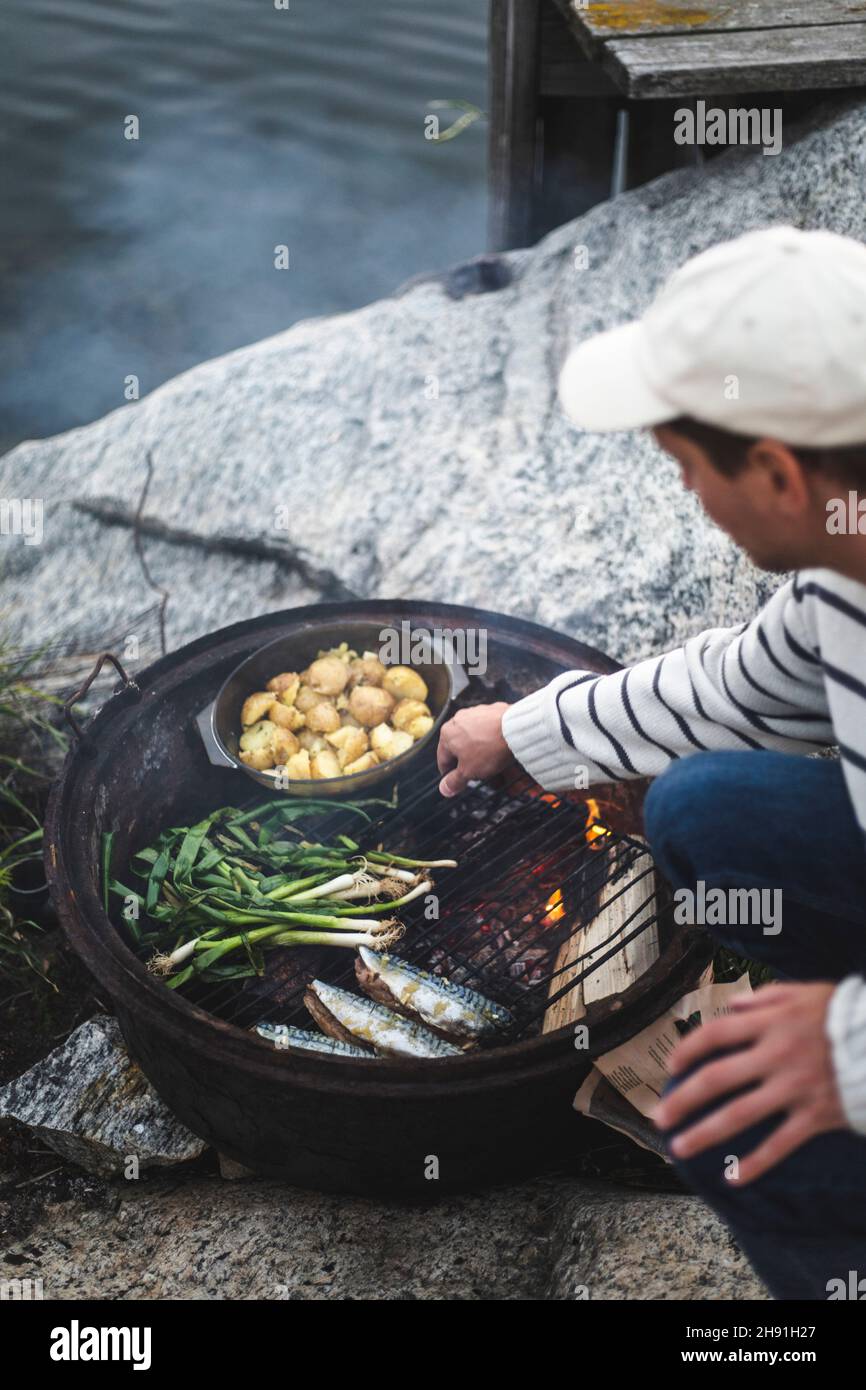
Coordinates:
(128, 982)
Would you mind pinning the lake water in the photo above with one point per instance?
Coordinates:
(258, 127)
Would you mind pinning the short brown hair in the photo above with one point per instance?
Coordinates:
(727, 451)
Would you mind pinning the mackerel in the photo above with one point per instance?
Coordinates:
(282, 1035)
(353, 1019)
(450, 1009)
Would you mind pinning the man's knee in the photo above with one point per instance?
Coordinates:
(698, 832)
(680, 810)
(714, 1172)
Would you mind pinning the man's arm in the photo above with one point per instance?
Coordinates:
(846, 1028)
(756, 686)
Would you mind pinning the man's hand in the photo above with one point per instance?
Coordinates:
(471, 746)
(783, 1053)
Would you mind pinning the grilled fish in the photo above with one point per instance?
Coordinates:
(282, 1035)
(351, 1019)
(450, 1010)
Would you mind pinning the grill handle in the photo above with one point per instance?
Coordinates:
(130, 690)
(214, 751)
(443, 655)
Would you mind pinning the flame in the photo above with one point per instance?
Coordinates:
(594, 832)
(554, 908)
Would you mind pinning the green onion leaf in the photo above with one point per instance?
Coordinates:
(188, 852)
(156, 879)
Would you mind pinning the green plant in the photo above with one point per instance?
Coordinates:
(728, 967)
(27, 735)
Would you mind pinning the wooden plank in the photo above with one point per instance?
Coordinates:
(512, 150)
(563, 71)
(564, 76)
(570, 1007)
(776, 61)
(600, 23)
(623, 904)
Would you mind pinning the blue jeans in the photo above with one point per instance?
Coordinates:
(778, 821)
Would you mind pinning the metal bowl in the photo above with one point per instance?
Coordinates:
(220, 723)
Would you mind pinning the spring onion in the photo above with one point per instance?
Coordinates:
(217, 894)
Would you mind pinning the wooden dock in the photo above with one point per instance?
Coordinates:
(567, 76)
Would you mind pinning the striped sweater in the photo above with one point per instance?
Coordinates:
(792, 679)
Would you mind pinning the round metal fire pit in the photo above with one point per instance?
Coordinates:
(319, 1121)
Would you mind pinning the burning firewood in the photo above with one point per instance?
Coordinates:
(626, 899)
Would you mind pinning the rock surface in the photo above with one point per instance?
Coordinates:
(415, 447)
(551, 1239)
(89, 1102)
(647, 1247)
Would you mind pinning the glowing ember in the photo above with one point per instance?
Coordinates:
(593, 831)
(554, 908)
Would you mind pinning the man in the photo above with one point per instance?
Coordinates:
(750, 368)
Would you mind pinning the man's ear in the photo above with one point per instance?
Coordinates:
(779, 477)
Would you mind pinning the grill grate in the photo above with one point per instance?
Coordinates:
(493, 928)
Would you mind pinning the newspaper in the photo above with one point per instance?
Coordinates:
(598, 1099)
(626, 1084)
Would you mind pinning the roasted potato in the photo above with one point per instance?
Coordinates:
(298, 766)
(419, 726)
(260, 758)
(401, 742)
(255, 707)
(404, 683)
(284, 745)
(289, 693)
(366, 670)
(306, 698)
(329, 675)
(406, 711)
(370, 705)
(314, 743)
(350, 744)
(285, 681)
(286, 717)
(258, 736)
(380, 738)
(323, 718)
(325, 764)
(362, 764)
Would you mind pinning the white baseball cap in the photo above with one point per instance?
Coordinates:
(764, 335)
